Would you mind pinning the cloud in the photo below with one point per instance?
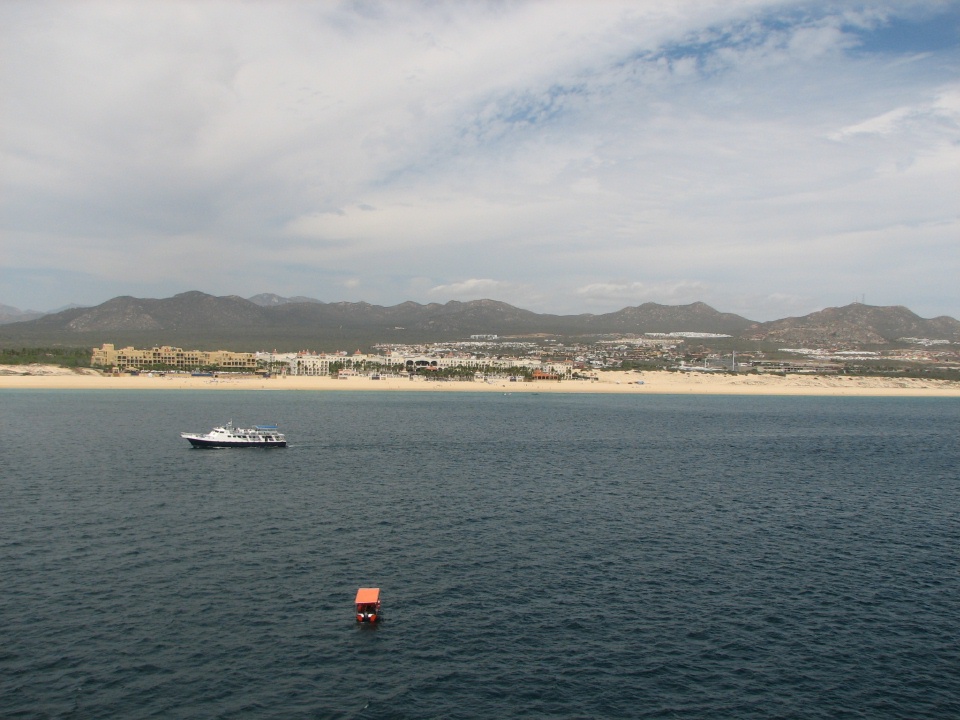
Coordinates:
(382, 149)
(941, 114)
(636, 293)
(472, 289)
(421, 222)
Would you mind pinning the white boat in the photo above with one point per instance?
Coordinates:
(228, 436)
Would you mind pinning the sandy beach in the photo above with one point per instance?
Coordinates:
(48, 377)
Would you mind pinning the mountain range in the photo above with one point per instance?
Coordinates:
(201, 321)
(11, 314)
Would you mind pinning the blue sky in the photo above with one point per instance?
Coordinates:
(768, 158)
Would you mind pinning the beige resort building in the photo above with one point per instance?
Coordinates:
(133, 359)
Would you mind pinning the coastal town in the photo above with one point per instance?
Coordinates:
(547, 358)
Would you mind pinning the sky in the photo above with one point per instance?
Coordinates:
(768, 158)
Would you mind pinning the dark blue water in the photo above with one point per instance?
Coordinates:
(539, 556)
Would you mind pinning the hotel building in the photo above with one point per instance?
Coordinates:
(171, 357)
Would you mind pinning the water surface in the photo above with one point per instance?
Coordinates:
(539, 555)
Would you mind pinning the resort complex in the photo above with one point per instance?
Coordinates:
(541, 358)
(305, 363)
(129, 358)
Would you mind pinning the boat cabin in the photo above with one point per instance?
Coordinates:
(368, 604)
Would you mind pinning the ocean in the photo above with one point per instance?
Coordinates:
(561, 556)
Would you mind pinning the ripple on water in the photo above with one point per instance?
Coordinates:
(550, 556)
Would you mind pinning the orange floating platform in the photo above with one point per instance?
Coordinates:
(368, 604)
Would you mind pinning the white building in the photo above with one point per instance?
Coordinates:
(318, 364)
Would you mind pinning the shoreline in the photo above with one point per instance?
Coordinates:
(47, 377)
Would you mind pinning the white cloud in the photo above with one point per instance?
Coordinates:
(679, 292)
(474, 288)
(709, 151)
(940, 114)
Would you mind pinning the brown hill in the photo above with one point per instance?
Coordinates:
(198, 320)
(696, 317)
(854, 324)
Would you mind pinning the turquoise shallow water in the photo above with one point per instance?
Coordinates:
(540, 556)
